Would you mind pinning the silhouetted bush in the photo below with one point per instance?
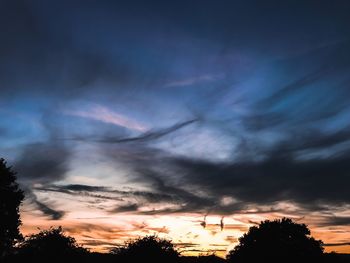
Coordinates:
(202, 259)
(11, 198)
(277, 241)
(50, 245)
(147, 249)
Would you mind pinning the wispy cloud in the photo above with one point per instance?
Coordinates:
(147, 136)
(336, 244)
(47, 210)
(193, 80)
(103, 114)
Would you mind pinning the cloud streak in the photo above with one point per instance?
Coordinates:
(145, 137)
(192, 81)
(48, 211)
(103, 114)
(53, 214)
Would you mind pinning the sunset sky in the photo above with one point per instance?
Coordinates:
(193, 120)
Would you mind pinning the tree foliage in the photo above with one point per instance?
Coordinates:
(11, 197)
(148, 249)
(277, 241)
(50, 244)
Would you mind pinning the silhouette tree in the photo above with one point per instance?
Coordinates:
(277, 241)
(11, 198)
(50, 245)
(147, 249)
(333, 257)
(202, 259)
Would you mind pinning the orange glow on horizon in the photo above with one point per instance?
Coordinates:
(100, 233)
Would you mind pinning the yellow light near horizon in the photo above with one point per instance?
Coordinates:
(99, 231)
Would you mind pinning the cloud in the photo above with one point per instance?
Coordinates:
(116, 194)
(287, 170)
(125, 208)
(193, 80)
(98, 243)
(180, 200)
(101, 113)
(294, 101)
(144, 137)
(53, 214)
(46, 58)
(336, 244)
(44, 208)
(97, 193)
(43, 162)
(272, 180)
(80, 187)
(335, 221)
(282, 173)
(303, 160)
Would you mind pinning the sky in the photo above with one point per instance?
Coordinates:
(192, 120)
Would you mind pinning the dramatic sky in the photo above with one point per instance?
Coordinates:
(127, 118)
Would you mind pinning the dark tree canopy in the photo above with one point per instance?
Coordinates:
(10, 200)
(277, 241)
(50, 245)
(148, 249)
(202, 259)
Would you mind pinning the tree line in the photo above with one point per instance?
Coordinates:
(280, 240)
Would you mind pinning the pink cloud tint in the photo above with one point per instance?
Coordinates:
(103, 114)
